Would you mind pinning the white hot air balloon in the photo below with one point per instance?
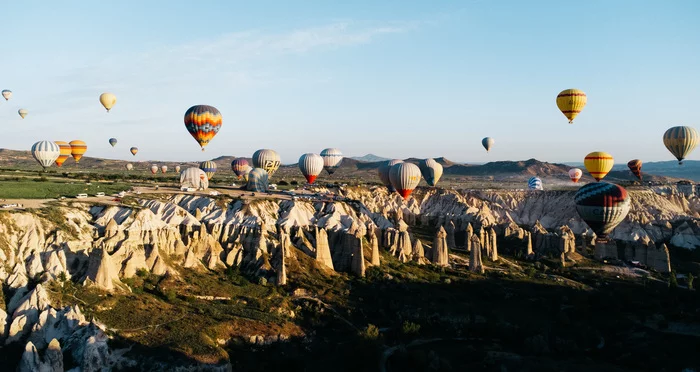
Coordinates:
(154, 169)
(23, 113)
(46, 153)
(163, 169)
(129, 167)
(177, 169)
(194, 178)
(431, 171)
(7, 94)
(404, 177)
(311, 166)
(332, 158)
(384, 172)
(267, 159)
(575, 174)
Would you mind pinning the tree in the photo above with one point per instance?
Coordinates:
(672, 281)
(691, 278)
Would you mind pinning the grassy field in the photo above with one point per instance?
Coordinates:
(37, 189)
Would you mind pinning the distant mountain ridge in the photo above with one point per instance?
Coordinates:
(369, 158)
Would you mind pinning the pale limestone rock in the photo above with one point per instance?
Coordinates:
(450, 238)
(323, 251)
(440, 251)
(30, 361)
(53, 360)
(374, 244)
(494, 247)
(475, 264)
(101, 271)
(403, 246)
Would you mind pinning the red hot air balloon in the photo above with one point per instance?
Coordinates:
(635, 165)
(602, 206)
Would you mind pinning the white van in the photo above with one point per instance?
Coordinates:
(81, 196)
(100, 194)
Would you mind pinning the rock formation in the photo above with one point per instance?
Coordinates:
(475, 264)
(439, 251)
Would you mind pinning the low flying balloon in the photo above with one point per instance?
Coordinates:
(113, 141)
(267, 159)
(46, 153)
(571, 102)
(246, 172)
(635, 165)
(65, 152)
(487, 143)
(681, 141)
(7, 94)
(257, 180)
(194, 178)
(177, 169)
(134, 150)
(602, 206)
(203, 122)
(431, 171)
(23, 113)
(238, 166)
(209, 167)
(310, 166)
(404, 177)
(77, 149)
(129, 167)
(383, 171)
(575, 174)
(154, 169)
(163, 169)
(598, 164)
(108, 100)
(332, 158)
(534, 183)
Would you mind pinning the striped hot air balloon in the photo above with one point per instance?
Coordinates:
(681, 141)
(602, 206)
(257, 180)
(267, 159)
(203, 122)
(7, 94)
(209, 167)
(332, 158)
(108, 100)
(404, 177)
(239, 166)
(46, 153)
(23, 113)
(129, 167)
(431, 171)
(598, 164)
(383, 171)
(154, 169)
(65, 152)
(635, 165)
(534, 183)
(134, 150)
(571, 102)
(113, 141)
(487, 143)
(311, 166)
(163, 169)
(177, 169)
(77, 149)
(194, 178)
(575, 174)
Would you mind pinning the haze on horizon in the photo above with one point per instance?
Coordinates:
(396, 79)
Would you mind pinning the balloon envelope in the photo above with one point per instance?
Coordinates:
(129, 167)
(310, 166)
(177, 169)
(77, 149)
(209, 167)
(163, 169)
(154, 169)
(113, 141)
(134, 150)
(431, 171)
(46, 153)
(257, 180)
(571, 102)
(65, 152)
(194, 178)
(203, 122)
(239, 166)
(404, 177)
(602, 206)
(635, 165)
(598, 164)
(7, 94)
(267, 159)
(383, 171)
(681, 141)
(23, 113)
(575, 174)
(487, 143)
(332, 158)
(108, 100)
(534, 183)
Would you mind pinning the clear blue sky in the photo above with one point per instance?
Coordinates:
(393, 78)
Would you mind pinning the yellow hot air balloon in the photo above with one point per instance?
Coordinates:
(681, 141)
(571, 102)
(598, 164)
(77, 149)
(65, 152)
(108, 100)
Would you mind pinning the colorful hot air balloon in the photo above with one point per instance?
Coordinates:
(46, 153)
(269, 160)
(257, 180)
(246, 172)
(177, 169)
(383, 171)
(154, 169)
(681, 141)
(331, 159)
(404, 177)
(209, 167)
(194, 178)
(203, 122)
(311, 166)
(23, 113)
(635, 165)
(108, 100)
(571, 102)
(163, 169)
(487, 143)
(575, 174)
(238, 166)
(77, 149)
(598, 164)
(7, 94)
(602, 206)
(129, 167)
(431, 171)
(65, 152)
(113, 141)
(534, 183)
(134, 150)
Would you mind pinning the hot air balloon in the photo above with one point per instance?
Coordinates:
(534, 183)
(113, 141)
(154, 169)
(108, 100)
(575, 174)
(598, 164)
(77, 149)
(203, 122)
(246, 172)
(383, 171)
(267, 159)
(487, 143)
(431, 171)
(163, 169)
(331, 159)
(257, 180)
(46, 153)
(635, 165)
(134, 150)
(65, 152)
(23, 113)
(209, 167)
(681, 141)
(238, 166)
(129, 167)
(194, 178)
(311, 166)
(177, 169)
(404, 177)
(602, 206)
(7, 94)
(571, 102)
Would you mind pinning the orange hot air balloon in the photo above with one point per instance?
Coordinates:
(203, 122)
(635, 165)
(65, 152)
(77, 149)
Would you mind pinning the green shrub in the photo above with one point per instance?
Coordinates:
(691, 278)
(410, 328)
(370, 333)
(672, 281)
